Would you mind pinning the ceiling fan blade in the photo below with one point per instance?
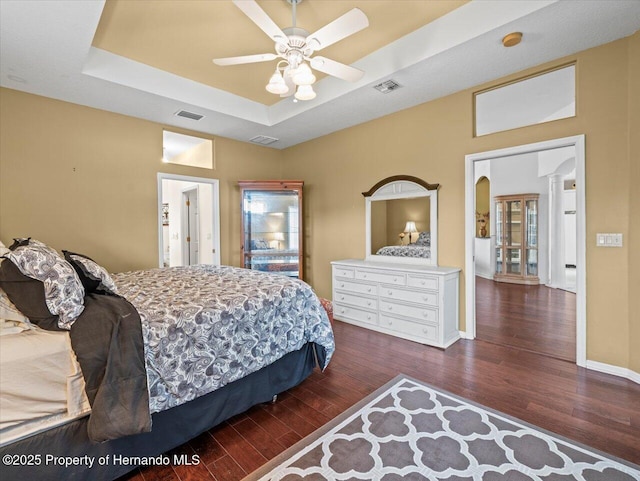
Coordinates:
(252, 10)
(351, 22)
(262, 57)
(336, 69)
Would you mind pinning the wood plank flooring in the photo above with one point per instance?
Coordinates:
(536, 318)
(596, 409)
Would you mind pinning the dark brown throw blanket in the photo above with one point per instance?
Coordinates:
(107, 340)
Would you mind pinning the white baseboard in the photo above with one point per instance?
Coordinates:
(484, 276)
(614, 370)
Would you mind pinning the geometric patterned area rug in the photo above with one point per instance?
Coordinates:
(410, 431)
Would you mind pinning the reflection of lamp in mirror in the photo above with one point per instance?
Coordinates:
(279, 237)
(410, 228)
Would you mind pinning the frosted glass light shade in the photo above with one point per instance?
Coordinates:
(305, 92)
(303, 75)
(277, 84)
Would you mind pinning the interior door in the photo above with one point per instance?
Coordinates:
(191, 233)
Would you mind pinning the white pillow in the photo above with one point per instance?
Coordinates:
(13, 327)
(10, 312)
(3, 249)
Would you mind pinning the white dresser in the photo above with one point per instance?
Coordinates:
(414, 302)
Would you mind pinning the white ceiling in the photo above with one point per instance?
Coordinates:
(45, 49)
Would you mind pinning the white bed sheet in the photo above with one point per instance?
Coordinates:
(41, 383)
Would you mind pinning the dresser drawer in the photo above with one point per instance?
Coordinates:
(339, 271)
(341, 311)
(418, 313)
(426, 282)
(353, 300)
(396, 278)
(424, 332)
(419, 297)
(356, 287)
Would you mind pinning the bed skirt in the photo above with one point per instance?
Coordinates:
(171, 428)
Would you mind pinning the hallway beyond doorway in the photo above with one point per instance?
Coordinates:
(535, 318)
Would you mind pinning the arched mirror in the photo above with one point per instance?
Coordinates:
(402, 221)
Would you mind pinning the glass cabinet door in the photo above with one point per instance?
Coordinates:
(271, 235)
(516, 246)
(532, 237)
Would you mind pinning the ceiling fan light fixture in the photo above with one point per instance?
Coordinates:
(305, 92)
(277, 84)
(303, 75)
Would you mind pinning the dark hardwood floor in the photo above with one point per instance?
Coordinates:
(596, 409)
(536, 318)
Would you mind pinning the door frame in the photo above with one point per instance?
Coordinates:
(578, 142)
(215, 211)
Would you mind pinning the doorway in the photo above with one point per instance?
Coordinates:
(188, 220)
(487, 297)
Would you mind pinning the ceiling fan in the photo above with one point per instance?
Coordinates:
(295, 46)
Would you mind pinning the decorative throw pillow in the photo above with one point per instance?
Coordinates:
(93, 276)
(424, 239)
(63, 291)
(27, 295)
(19, 241)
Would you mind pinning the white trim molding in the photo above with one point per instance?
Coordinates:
(215, 210)
(614, 370)
(578, 142)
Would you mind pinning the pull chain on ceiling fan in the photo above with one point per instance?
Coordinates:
(295, 46)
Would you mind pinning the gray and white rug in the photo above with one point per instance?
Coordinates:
(407, 430)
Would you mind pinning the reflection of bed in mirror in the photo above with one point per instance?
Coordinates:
(420, 248)
(402, 221)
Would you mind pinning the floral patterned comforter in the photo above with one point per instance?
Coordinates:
(206, 326)
(406, 251)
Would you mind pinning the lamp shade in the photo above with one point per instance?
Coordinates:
(410, 227)
(305, 92)
(303, 75)
(277, 84)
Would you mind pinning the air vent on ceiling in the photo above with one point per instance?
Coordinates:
(387, 86)
(263, 140)
(189, 115)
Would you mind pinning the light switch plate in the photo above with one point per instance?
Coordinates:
(608, 240)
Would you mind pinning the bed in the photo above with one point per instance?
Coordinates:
(215, 340)
(420, 248)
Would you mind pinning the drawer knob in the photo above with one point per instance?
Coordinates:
(342, 285)
(342, 311)
(390, 307)
(426, 298)
(425, 313)
(426, 331)
(369, 317)
(342, 298)
(390, 293)
(395, 279)
(369, 290)
(423, 282)
(390, 322)
(369, 303)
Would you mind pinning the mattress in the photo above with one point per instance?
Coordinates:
(41, 383)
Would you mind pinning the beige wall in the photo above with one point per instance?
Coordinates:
(431, 140)
(634, 203)
(84, 179)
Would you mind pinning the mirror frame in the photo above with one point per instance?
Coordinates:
(403, 187)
